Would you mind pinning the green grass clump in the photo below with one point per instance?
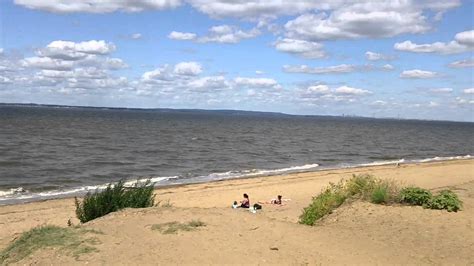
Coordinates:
(445, 200)
(361, 185)
(415, 196)
(324, 203)
(114, 198)
(384, 192)
(174, 227)
(69, 240)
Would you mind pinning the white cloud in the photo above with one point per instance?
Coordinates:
(369, 20)
(255, 9)
(161, 73)
(255, 82)
(418, 74)
(338, 69)
(462, 63)
(469, 91)
(463, 42)
(217, 34)
(228, 34)
(136, 36)
(209, 83)
(98, 6)
(188, 68)
(47, 63)
(182, 36)
(259, 72)
(67, 50)
(441, 90)
(376, 56)
(323, 93)
(301, 48)
(344, 90)
(465, 38)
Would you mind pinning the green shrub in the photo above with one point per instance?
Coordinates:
(379, 194)
(323, 204)
(447, 200)
(360, 185)
(384, 191)
(415, 196)
(114, 198)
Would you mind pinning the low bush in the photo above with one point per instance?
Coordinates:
(379, 194)
(415, 196)
(445, 200)
(114, 198)
(329, 199)
(360, 185)
(67, 240)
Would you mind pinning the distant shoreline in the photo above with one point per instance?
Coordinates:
(224, 112)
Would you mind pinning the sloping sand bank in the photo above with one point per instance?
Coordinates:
(357, 233)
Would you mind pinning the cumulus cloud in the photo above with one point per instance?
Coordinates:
(228, 34)
(67, 50)
(376, 56)
(418, 74)
(462, 63)
(217, 34)
(463, 42)
(188, 68)
(338, 69)
(210, 82)
(255, 82)
(301, 48)
(469, 91)
(368, 20)
(323, 93)
(98, 6)
(47, 63)
(344, 90)
(182, 36)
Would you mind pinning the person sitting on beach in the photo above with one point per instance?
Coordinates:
(245, 203)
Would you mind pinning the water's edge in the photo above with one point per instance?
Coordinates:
(19, 195)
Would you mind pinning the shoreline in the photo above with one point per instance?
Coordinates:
(76, 192)
(363, 230)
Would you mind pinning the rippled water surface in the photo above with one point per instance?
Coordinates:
(55, 149)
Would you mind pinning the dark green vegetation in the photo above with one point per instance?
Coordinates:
(114, 198)
(415, 196)
(378, 191)
(174, 227)
(71, 241)
(446, 199)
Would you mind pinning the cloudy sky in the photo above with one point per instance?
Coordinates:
(384, 58)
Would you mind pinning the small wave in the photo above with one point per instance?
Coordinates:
(434, 159)
(12, 191)
(19, 194)
(378, 163)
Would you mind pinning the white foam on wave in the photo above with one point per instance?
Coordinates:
(434, 159)
(21, 194)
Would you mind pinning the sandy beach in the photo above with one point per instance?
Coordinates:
(356, 233)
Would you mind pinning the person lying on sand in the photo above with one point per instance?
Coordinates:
(277, 201)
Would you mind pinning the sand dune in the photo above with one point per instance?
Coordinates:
(356, 233)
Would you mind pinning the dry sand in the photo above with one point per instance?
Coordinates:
(356, 233)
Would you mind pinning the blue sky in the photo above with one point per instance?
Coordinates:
(407, 58)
